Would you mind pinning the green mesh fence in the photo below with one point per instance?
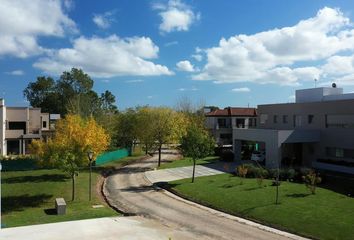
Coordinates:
(112, 156)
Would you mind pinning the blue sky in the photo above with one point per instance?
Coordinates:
(223, 53)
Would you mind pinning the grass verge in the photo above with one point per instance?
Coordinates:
(28, 196)
(325, 215)
(188, 162)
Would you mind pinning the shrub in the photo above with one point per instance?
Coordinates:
(287, 174)
(311, 180)
(241, 171)
(227, 155)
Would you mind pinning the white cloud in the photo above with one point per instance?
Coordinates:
(188, 89)
(197, 57)
(185, 66)
(243, 89)
(175, 16)
(339, 65)
(271, 56)
(106, 57)
(16, 73)
(171, 43)
(104, 20)
(135, 81)
(22, 22)
(150, 97)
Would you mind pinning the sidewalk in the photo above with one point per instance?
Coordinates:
(123, 228)
(172, 174)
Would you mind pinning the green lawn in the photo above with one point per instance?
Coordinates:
(326, 215)
(188, 162)
(28, 196)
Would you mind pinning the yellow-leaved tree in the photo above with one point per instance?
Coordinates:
(74, 137)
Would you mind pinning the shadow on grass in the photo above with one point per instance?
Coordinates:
(19, 203)
(248, 210)
(298, 195)
(50, 211)
(36, 179)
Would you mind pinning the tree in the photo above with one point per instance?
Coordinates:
(169, 126)
(197, 144)
(71, 93)
(145, 129)
(74, 137)
(126, 128)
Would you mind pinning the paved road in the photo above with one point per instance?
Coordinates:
(130, 191)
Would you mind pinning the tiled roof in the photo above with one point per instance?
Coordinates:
(233, 111)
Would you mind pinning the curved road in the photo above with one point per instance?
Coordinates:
(129, 191)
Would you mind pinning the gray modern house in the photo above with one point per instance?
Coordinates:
(20, 125)
(316, 131)
(221, 122)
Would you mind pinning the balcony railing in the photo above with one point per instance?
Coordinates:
(13, 133)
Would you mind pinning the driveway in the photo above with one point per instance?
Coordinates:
(172, 174)
(130, 191)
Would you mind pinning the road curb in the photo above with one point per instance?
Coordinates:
(228, 216)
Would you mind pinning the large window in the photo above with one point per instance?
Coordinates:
(339, 152)
(339, 121)
(222, 122)
(17, 126)
(240, 122)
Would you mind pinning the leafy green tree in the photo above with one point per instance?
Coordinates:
(145, 129)
(71, 93)
(197, 144)
(169, 127)
(126, 128)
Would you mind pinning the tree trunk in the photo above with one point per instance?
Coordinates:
(146, 149)
(73, 187)
(159, 155)
(193, 170)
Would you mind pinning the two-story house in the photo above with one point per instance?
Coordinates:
(316, 131)
(221, 122)
(19, 126)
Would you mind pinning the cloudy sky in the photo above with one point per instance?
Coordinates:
(223, 53)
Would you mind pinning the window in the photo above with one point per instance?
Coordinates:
(297, 120)
(340, 121)
(264, 118)
(44, 124)
(310, 119)
(240, 122)
(285, 118)
(252, 122)
(339, 152)
(225, 136)
(275, 119)
(222, 122)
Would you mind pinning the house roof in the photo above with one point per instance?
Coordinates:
(233, 111)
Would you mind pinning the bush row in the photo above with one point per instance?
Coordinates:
(285, 174)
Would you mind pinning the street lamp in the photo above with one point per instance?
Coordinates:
(90, 157)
